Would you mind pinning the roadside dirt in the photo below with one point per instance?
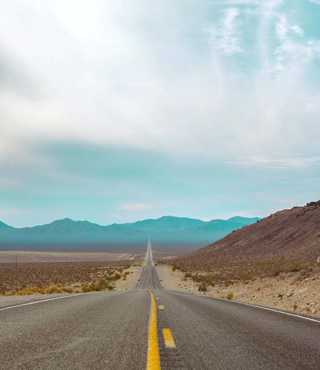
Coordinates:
(27, 278)
(131, 278)
(41, 256)
(289, 291)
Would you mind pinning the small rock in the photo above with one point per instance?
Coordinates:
(289, 293)
(280, 294)
(318, 259)
(246, 282)
(306, 279)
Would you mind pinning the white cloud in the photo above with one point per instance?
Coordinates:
(226, 37)
(145, 75)
(279, 163)
(297, 30)
(292, 52)
(282, 28)
(241, 2)
(135, 206)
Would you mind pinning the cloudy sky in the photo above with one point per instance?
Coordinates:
(119, 110)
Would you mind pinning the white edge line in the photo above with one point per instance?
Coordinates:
(41, 301)
(268, 309)
(253, 305)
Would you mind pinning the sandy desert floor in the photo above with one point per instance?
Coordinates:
(286, 291)
(40, 256)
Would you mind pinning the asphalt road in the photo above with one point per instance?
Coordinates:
(111, 330)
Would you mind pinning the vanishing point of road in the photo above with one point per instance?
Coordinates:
(152, 328)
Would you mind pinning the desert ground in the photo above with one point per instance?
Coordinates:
(297, 290)
(41, 256)
(42, 273)
(290, 286)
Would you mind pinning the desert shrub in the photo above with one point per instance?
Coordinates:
(230, 295)
(294, 268)
(196, 278)
(67, 289)
(295, 307)
(273, 273)
(86, 288)
(97, 287)
(53, 289)
(30, 290)
(188, 275)
(175, 267)
(203, 287)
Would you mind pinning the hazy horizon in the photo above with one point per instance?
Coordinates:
(116, 111)
(121, 223)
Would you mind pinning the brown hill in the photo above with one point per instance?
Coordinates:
(289, 235)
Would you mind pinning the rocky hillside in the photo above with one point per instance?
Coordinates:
(289, 234)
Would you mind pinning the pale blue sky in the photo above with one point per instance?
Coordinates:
(115, 111)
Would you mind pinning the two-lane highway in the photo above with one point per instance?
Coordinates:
(152, 328)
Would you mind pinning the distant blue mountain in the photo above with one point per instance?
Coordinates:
(244, 220)
(164, 231)
(4, 226)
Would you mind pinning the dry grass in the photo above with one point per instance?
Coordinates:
(69, 277)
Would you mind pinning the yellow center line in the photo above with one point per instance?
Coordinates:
(161, 307)
(168, 338)
(153, 360)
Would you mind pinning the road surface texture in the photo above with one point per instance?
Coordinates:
(149, 328)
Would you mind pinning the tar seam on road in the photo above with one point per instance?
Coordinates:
(42, 301)
(153, 360)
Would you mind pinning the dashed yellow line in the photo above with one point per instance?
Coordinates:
(168, 338)
(153, 360)
(161, 307)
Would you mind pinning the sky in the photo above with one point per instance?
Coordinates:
(120, 110)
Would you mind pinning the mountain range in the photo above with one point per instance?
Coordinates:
(165, 231)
